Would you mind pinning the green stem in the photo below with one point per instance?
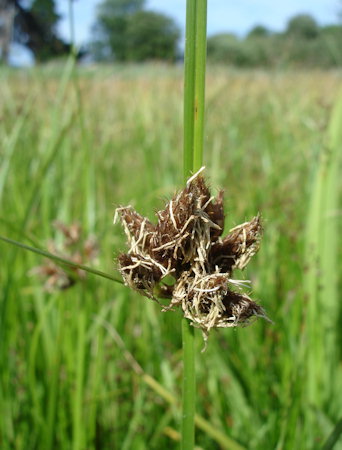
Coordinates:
(189, 387)
(58, 259)
(200, 63)
(194, 100)
(189, 86)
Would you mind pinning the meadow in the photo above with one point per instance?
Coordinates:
(96, 366)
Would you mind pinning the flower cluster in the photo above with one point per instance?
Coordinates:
(73, 247)
(186, 244)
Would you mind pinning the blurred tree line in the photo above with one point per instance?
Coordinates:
(124, 30)
(32, 24)
(303, 44)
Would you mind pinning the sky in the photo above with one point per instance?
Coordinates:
(234, 16)
(237, 16)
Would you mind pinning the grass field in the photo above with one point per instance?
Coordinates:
(99, 367)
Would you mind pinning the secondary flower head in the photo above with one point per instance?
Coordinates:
(72, 246)
(186, 244)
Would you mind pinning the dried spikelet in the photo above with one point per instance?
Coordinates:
(73, 248)
(72, 233)
(215, 212)
(182, 224)
(239, 308)
(238, 247)
(139, 273)
(186, 243)
(138, 229)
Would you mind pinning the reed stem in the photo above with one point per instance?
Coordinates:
(194, 100)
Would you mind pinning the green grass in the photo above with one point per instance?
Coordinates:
(67, 379)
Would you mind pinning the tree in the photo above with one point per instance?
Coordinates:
(112, 8)
(35, 27)
(302, 26)
(32, 24)
(218, 43)
(110, 29)
(259, 31)
(45, 12)
(7, 12)
(227, 49)
(151, 35)
(331, 37)
(126, 32)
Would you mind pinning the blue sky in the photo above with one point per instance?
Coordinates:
(237, 16)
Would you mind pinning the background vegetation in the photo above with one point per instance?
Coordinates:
(125, 30)
(87, 143)
(303, 44)
(34, 25)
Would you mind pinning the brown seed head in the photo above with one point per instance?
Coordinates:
(186, 243)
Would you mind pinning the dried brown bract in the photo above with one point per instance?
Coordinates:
(186, 244)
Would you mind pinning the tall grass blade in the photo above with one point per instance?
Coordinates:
(9, 146)
(321, 278)
(334, 437)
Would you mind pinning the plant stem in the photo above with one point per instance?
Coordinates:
(189, 86)
(189, 387)
(200, 63)
(194, 99)
(59, 260)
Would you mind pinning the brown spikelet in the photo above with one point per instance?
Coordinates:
(237, 248)
(72, 247)
(215, 212)
(138, 229)
(139, 273)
